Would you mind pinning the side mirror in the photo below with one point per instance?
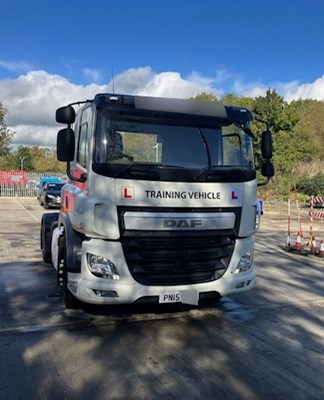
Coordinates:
(267, 169)
(65, 115)
(266, 145)
(65, 145)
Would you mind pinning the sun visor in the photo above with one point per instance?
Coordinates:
(182, 106)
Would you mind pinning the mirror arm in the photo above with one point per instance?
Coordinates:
(264, 182)
(68, 172)
(82, 178)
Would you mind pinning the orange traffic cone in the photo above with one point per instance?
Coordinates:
(321, 250)
(298, 243)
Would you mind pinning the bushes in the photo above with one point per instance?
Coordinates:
(307, 185)
(311, 185)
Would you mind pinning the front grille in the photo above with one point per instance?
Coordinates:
(177, 260)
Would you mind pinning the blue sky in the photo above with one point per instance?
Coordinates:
(268, 41)
(169, 47)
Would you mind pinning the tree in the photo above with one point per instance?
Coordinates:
(7, 162)
(44, 160)
(311, 126)
(23, 159)
(6, 135)
(281, 118)
(232, 100)
(205, 96)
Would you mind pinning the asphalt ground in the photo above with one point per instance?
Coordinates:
(264, 344)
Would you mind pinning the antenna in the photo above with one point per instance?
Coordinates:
(112, 79)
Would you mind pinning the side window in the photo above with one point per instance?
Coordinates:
(237, 147)
(84, 137)
(232, 149)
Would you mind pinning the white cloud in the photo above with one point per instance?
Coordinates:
(295, 90)
(16, 66)
(92, 74)
(144, 81)
(31, 99)
(290, 91)
(30, 135)
(171, 84)
(250, 90)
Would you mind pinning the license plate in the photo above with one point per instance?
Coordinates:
(188, 296)
(174, 297)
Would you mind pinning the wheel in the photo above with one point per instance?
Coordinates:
(47, 222)
(70, 301)
(46, 206)
(47, 256)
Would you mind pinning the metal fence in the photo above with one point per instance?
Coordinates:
(11, 186)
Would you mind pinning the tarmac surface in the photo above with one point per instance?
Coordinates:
(264, 344)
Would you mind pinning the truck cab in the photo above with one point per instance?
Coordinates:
(161, 202)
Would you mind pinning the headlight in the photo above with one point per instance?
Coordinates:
(245, 262)
(102, 267)
(50, 196)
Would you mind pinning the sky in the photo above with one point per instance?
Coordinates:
(56, 52)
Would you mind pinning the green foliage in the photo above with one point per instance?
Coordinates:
(6, 135)
(311, 127)
(6, 162)
(278, 114)
(205, 96)
(237, 101)
(23, 159)
(32, 159)
(311, 185)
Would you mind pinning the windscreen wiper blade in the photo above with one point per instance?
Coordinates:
(216, 170)
(143, 171)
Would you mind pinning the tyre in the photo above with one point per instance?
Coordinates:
(46, 253)
(70, 301)
(47, 256)
(46, 235)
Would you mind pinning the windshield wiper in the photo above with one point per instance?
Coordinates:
(217, 170)
(145, 171)
(122, 170)
(202, 172)
(205, 145)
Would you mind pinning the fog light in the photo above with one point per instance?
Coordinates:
(106, 293)
(245, 262)
(102, 267)
(242, 284)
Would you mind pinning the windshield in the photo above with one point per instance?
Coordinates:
(127, 141)
(54, 187)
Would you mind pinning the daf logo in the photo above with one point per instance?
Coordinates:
(181, 223)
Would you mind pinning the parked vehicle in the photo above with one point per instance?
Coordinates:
(45, 179)
(50, 196)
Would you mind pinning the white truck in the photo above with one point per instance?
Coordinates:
(161, 201)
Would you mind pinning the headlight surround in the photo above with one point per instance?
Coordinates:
(245, 262)
(102, 267)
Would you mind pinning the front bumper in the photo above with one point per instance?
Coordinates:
(91, 289)
(53, 202)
